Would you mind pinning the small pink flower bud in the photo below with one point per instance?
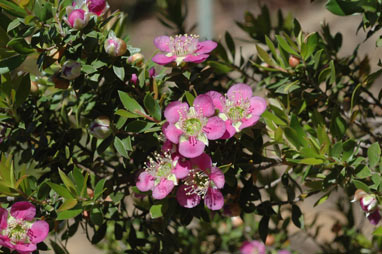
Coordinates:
(134, 78)
(152, 72)
(136, 59)
(71, 70)
(100, 127)
(77, 18)
(115, 46)
(97, 7)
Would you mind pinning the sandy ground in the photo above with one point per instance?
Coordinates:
(226, 12)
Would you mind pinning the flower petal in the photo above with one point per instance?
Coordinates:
(206, 47)
(230, 130)
(171, 132)
(182, 166)
(23, 210)
(162, 42)
(374, 217)
(203, 161)
(174, 110)
(215, 128)
(39, 231)
(217, 177)
(249, 122)
(214, 199)
(191, 148)
(204, 104)
(217, 99)
(163, 59)
(196, 58)
(187, 201)
(145, 181)
(3, 218)
(239, 92)
(164, 188)
(258, 105)
(25, 247)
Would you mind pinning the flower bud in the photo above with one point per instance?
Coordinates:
(77, 18)
(115, 46)
(270, 240)
(293, 61)
(97, 7)
(368, 203)
(71, 70)
(100, 127)
(136, 59)
(152, 72)
(134, 78)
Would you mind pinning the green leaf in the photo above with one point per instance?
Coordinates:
(130, 104)
(343, 7)
(322, 199)
(378, 231)
(284, 44)
(311, 161)
(264, 56)
(297, 217)
(68, 183)
(120, 147)
(11, 63)
(12, 8)
(68, 214)
(60, 190)
(361, 185)
(156, 211)
(308, 48)
(263, 228)
(348, 150)
(364, 172)
(119, 72)
(20, 46)
(220, 68)
(126, 114)
(99, 189)
(190, 98)
(57, 248)
(42, 10)
(68, 204)
(152, 106)
(374, 154)
(230, 44)
(268, 115)
(23, 90)
(96, 216)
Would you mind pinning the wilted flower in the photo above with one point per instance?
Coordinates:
(70, 70)
(252, 247)
(17, 229)
(203, 182)
(182, 48)
(192, 127)
(239, 109)
(100, 127)
(77, 18)
(115, 46)
(161, 174)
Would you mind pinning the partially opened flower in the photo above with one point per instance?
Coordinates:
(203, 182)
(98, 7)
(115, 46)
(252, 247)
(182, 48)
(71, 70)
(239, 109)
(192, 127)
(18, 231)
(161, 174)
(76, 18)
(369, 204)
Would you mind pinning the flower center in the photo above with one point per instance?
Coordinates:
(237, 110)
(17, 230)
(192, 127)
(191, 122)
(183, 45)
(160, 166)
(197, 182)
(164, 169)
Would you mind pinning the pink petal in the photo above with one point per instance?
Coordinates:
(3, 218)
(96, 6)
(252, 247)
(374, 217)
(217, 177)
(249, 122)
(214, 199)
(39, 231)
(182, 166)
(74, 15)
(163, 59)
(239, 92)
(171, 132)
(23, 210)
(25, 247)
(191, 148)
(206, 47)
(145, 181)
(215, 128)
(174, 110)
(168, 146)
(162, 42)
(203, 161)
(164, 188)
(217, 99)
(258, 105)
(204, 104)
(230, 130)
(196, 58)
(187, 201)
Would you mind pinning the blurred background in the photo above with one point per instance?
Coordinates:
(218, 16)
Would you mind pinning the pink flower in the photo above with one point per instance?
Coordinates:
(369, 204)
(134, 78)
(182, 48)
(115, 46)
(77, 18)
(192, 127)
(161, 174)
(239, 109)
(98, 7)
(252, 247)
(203, 182)
(18, 232)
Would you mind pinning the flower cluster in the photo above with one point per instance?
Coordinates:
(369, 205)
(18, 232)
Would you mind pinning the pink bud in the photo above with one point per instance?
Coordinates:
(115, 46)
(152, 72)
(134, 78)
(77, 18)
(97, 7)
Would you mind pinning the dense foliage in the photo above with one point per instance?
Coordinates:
(83, 111)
